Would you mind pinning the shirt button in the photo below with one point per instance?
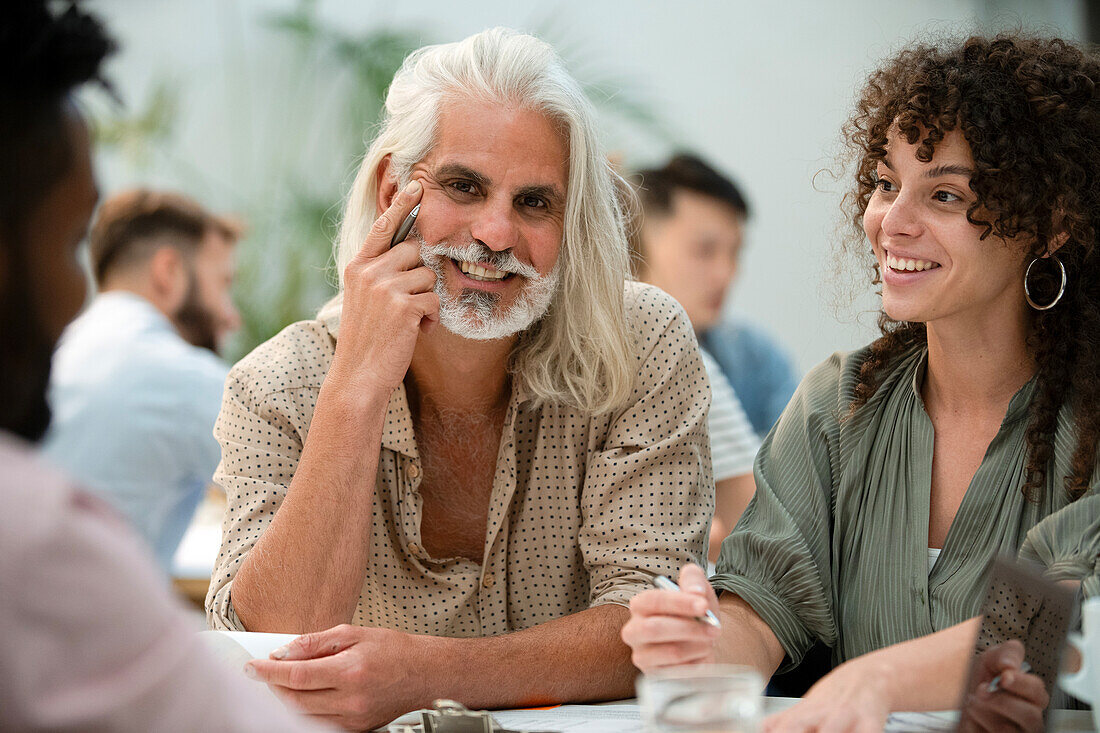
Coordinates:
(488, 581)
(414, 471)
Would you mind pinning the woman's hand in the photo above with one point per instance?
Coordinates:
(853, 697)
(664, 629)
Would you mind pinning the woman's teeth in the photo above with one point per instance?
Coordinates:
(485, 274)
(900, 263)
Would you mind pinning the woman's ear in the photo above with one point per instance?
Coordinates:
(387, 185)
(1060, 235)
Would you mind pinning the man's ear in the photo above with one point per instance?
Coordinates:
(387, 185)
(168, 279)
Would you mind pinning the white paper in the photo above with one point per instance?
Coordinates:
(626, 718)
(258, 645)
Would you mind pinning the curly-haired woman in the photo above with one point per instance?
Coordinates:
(967, 430)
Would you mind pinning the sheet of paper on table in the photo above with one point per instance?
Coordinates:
(625, 718)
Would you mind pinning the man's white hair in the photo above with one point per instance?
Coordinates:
(580, 354)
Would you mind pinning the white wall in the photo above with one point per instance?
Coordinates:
(761, 88)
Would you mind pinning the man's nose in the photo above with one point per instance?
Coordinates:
(495, 226)
(902, 217)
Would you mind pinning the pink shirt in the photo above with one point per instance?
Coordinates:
(90, 636)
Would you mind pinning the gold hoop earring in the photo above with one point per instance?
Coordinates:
(1061, 288)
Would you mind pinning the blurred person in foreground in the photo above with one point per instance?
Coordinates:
(92, 639)
(490, 441)
(968, 430)
(733, 443)
(689, 244)
(136, 384)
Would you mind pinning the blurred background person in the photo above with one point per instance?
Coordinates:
(136, 384)
(689, 245)
(92, 640)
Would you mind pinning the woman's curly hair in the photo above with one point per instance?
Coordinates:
(1030, 110)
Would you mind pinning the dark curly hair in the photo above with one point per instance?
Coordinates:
(1029, 108)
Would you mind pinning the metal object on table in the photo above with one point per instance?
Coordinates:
(448, 716)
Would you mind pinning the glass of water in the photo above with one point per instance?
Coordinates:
(701, 698)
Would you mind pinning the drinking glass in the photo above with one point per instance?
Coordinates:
(701, 698)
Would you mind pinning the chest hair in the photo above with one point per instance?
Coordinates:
(458, 455)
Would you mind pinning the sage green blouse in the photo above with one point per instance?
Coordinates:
(834, 543)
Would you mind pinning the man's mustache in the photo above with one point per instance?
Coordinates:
(504, 261)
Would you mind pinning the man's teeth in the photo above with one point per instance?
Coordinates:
(900, 263)
(477, 272)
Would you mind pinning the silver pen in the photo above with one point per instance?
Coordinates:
(995, 683)
(406, 227)
(665, 583)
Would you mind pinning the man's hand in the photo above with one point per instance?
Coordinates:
(1019, 700)
(354, 677)
(664, 630)
(388, 299)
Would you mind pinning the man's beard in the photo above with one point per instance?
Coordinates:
(194, 322)
(476, 314)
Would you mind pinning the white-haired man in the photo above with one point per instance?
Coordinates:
(482, 449)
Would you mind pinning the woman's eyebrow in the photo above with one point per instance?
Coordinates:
(949, 170)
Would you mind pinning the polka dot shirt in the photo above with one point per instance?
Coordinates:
(584, 510)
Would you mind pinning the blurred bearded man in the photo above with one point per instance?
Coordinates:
(136, 385)
(489, 441)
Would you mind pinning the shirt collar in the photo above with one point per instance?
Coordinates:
(123, 306)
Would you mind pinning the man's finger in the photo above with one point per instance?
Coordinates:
(312, 702)
(1006, 656)
(319, 643)
(427, 305)
(384, 227)
(309, 674)
(1028, 687)
(420, 280)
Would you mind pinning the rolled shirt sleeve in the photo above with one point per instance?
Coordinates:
(648, 494)
(261, 433)
(1067, 544)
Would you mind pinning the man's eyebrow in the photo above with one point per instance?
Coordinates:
(461, 171)
(551, 193)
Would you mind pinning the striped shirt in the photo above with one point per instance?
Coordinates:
(834, 545)
(733, 444)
